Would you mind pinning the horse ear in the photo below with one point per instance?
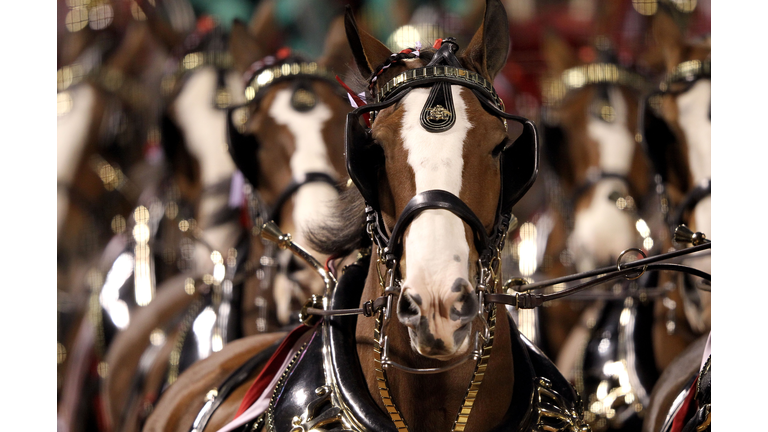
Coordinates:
(131, 55)
(489, 47)
(669, 38)
(367, 51)
(244, 47)
(336, 54)
(162, 29)
(558, 55)
(264, 28)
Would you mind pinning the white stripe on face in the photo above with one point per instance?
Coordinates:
(693, 112)
(204, 126)
(205, 136)
(615, 140)
(436, 243)
(71, 130)
(311, 155)
(602, 231)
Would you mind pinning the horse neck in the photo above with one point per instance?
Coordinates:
(442, 393)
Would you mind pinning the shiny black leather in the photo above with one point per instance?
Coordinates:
(612, 342)
(436, 199)
(307, 375)
(233, 381)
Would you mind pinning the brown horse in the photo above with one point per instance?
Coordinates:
(677, 132)
(105, 121)
(606, 181)
(288, 142)
(438, 173)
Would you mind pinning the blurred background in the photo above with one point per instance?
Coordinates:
(116, 154)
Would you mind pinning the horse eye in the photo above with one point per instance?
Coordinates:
(500, 148)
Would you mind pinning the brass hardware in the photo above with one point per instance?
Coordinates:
(438, 113)
(433, 71)
(596, 73)
(268, 76)
(687, 72)
(708, 421)
(272, 232)
(320, 414)
(513, 284)
(305, 317)
(211, 395)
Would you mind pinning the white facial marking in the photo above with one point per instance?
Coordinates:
(205, 135)
(204, 126)
(693, 111)
(71, 130)
(436, 237)
(602, 231)
(615, 140)
(311, 201)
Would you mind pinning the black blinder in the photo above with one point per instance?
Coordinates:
(364, 159)
(519, 164)
(658, 139)
(242, 147)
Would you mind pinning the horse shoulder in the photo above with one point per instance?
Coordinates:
(181, 403)
(126, 350)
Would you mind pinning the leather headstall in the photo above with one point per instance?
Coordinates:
(365, 159)
(244, 147)
(601, 75)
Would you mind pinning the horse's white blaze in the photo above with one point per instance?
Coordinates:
(311, 202)
(693, 115)
(693, 112)
(71, 130)
(615, 140)
(205, 134)
(436, 238)
(602, 231)
(204, 126)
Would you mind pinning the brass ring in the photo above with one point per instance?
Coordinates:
(621, 255)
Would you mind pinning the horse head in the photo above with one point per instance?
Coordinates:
(677, 132)
(590, 128)
(287, 140)
(439, 171)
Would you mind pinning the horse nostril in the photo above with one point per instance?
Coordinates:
(408, 309)
(464, 308)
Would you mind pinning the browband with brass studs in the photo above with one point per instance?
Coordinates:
(687, 71)
(596, 73)
(269, 75)
(410, 76)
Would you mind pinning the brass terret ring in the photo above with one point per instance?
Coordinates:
(621, 255)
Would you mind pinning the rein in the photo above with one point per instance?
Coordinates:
(523, 299)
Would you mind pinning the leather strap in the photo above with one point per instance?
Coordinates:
(436, 200)
(311, 177)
